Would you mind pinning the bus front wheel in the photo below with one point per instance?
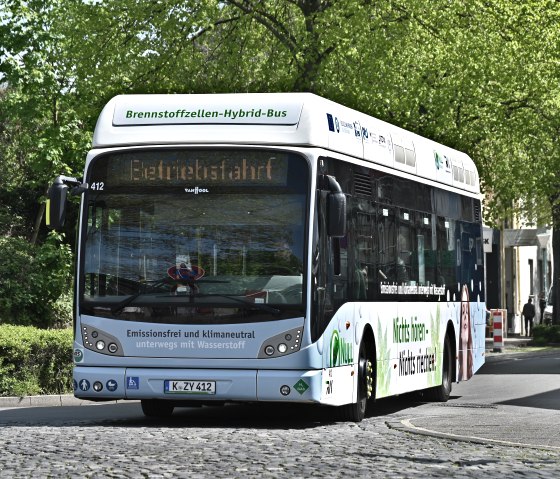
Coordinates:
(156, 408)
(365, 382)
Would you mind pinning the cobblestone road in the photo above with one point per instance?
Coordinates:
(246, 441)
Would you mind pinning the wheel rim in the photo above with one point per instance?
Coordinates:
(365, 379)
(446, 373)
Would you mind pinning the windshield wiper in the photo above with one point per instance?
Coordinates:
(117, 309)
(143, 290)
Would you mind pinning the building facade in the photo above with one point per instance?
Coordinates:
(518, 267)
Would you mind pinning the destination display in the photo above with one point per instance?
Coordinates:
(245, 169)
(200, 168)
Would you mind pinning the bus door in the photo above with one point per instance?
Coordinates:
(329, 227)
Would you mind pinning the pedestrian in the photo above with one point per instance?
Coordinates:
(529, 315)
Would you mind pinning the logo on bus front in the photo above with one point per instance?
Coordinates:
(340, 351)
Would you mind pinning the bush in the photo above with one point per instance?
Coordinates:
(32, 279)
(546, 334)
(35, 361)
(62, 310)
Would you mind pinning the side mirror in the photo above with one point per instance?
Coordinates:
(336, 214)
(56, 204)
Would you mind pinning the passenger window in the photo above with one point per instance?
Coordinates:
(426, 256)
(406, 272)
(387, 245)
(446, 251)
(366, 248)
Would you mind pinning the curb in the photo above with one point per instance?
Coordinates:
(405, 425)
(49, 400)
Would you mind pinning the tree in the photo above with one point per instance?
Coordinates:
(480, 76)
(42, 133)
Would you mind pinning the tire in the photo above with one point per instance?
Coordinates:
(442, 392)
(357, 411)
(156, 408)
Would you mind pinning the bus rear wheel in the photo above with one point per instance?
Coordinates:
(356, 411)
(442, 392)
(156, 408)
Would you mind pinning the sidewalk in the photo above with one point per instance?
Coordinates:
(498, 418)
(516, 347)
(514, 343)
(511, 342)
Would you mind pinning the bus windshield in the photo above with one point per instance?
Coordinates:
(195, 236)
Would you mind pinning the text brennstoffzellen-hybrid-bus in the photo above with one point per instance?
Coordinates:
(271, 247)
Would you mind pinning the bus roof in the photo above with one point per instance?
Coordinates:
(301, 119)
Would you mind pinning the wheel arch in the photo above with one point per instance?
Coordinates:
(369, 338)
(450, 332)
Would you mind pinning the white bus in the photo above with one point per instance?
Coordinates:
(271, 247)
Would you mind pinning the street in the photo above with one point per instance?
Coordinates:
(511, 401)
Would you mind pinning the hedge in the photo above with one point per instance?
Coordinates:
(35, 361)
(546, 334)
(34, 279)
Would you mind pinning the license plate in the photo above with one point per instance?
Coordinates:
(187, 386)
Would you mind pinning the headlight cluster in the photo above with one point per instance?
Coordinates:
(100, 342)
(282, 344)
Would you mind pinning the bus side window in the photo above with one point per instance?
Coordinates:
(387, 236)
(365, 252)
(446, 269)
(405, 248)
(425, 255)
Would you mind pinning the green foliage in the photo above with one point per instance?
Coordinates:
(32, 279)
(546, 334)
(480, 76)
(35, 361)
(61, 310)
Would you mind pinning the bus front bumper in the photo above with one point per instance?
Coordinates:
(103, 383)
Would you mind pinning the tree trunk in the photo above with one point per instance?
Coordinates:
(37, 226)
(555, 202)
(556, 264)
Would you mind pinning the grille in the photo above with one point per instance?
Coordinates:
(362, 185)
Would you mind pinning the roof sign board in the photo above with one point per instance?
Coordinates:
(183, 109)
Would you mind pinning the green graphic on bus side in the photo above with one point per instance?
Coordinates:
(434, 376)
(383, 383)
(340, 351)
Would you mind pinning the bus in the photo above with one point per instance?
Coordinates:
(274, 247)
